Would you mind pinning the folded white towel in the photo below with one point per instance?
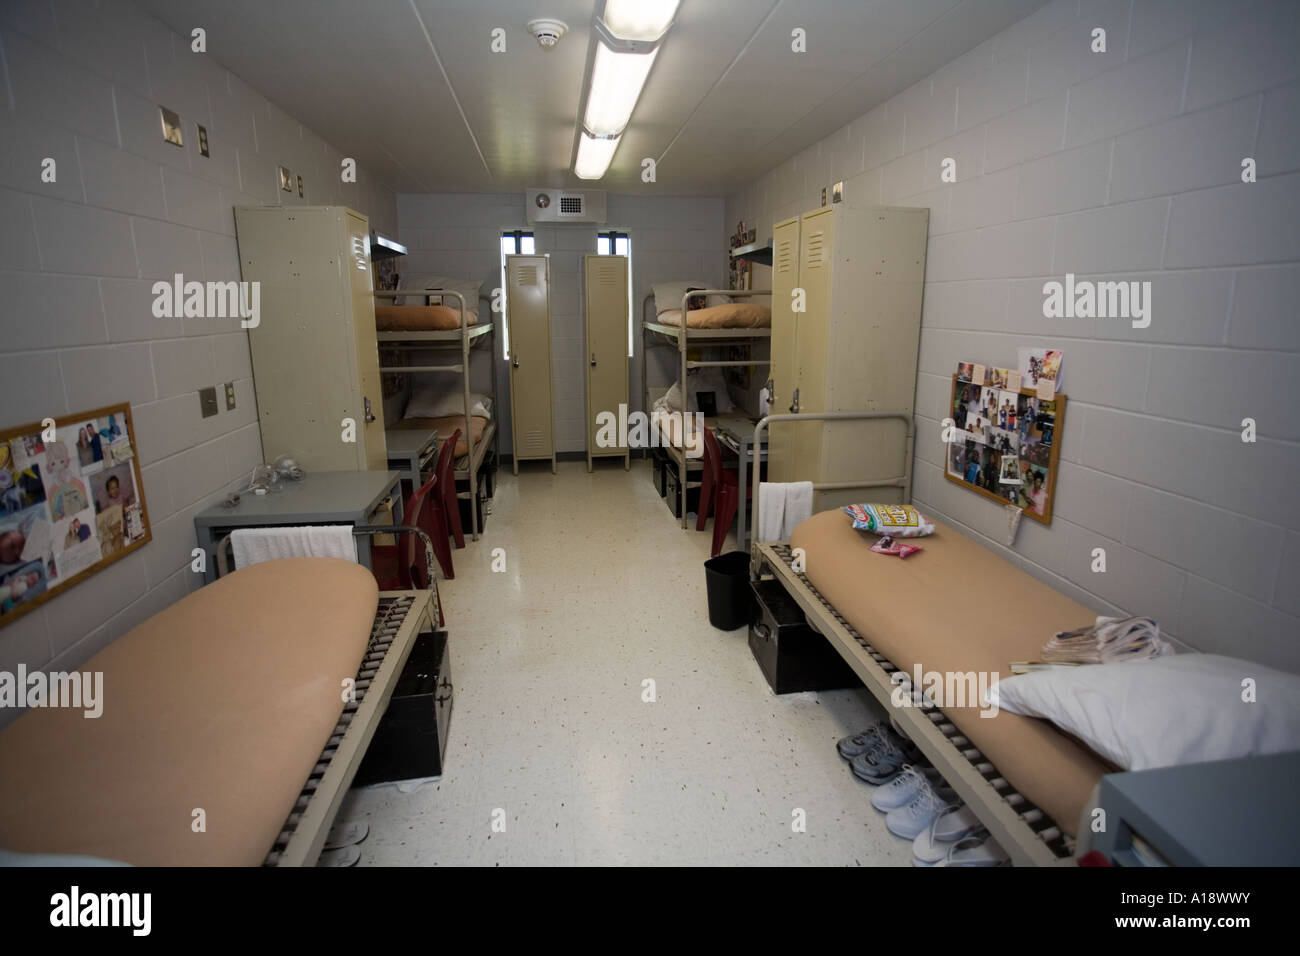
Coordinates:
(771, 511)
(253, 545)
(798, 506)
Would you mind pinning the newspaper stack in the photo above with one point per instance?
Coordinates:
(1111, 639)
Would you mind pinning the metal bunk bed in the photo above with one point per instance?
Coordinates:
(464, 338)
(683, 336)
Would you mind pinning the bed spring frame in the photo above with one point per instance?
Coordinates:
(1028, 835)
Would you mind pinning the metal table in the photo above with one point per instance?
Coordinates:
(737, 433)
(321, 497)
(410, 451)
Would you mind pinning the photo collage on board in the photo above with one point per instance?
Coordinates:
(65, 505)
(1003, 442)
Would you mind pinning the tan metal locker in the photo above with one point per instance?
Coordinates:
(854, 347)
(528, 314)
(315, 358)
(783, 369)
(605, 285)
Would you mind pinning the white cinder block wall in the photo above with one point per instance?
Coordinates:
(1123, 165)
(82, 85)
(459, 235)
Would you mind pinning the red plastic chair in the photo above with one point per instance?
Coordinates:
(402, 566)
(719, 492)
(445, 473)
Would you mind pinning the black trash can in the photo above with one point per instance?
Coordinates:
(731, 599)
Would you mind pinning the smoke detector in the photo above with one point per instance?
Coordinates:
(547, 31)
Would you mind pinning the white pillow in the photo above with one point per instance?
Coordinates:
(1162, 712)
(467, 288)
(700, 380)
(668, 295)
(429, 402)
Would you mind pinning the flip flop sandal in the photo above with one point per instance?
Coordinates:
(976, 851)
(928, 848)
(346, 834)
(344, 856)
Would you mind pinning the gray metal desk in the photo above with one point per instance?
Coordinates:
(737, 433)
(411, 452)
(1222, 813)
(322, 497)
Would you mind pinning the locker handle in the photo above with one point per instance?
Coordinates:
(593, 359)
(369, 416)
(514, 361)
(794, 406)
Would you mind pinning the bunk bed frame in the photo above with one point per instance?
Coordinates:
(1028, 835)
(682, 336)
(464, 339)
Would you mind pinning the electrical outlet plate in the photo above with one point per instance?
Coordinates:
(208, 401)
(230, 395)
(171, 126)
(837, 192)
(286, 179)
(203, 139)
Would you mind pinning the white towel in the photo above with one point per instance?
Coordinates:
(771, 511)
(781, 506)
(253, 545)
(798, 506)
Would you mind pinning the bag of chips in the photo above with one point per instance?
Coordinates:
(901, 521)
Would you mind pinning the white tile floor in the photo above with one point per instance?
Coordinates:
(602, 591)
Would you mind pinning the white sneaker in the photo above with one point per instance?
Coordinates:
(902, 790)
(976, 851)
(907, 821)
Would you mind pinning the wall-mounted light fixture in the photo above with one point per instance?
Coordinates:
(627, 41)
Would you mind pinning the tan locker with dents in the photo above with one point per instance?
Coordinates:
(605, 288)
(847, 283)
(315, 358)
(528, 317)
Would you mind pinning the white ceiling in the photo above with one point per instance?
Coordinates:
(413, 90)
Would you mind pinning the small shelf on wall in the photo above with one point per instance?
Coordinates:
(754, 252)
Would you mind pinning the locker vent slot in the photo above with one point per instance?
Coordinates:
(784, 260)
(526, 276)
(607, 274)
(533, 441)
(816, 250)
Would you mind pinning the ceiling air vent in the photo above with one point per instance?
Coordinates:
(565, 205)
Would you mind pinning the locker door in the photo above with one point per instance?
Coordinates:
(816, 239)
(528, 310)
(370, 426)
(606, 358)
(783, 370)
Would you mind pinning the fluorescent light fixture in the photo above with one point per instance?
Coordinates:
(594, 156)
(616, 81)
(639, 19)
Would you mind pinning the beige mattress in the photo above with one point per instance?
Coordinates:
(222, 702)
(958, 607)
(734, 315)
(420, 318)
(446, 427)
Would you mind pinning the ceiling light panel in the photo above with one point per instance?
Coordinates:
(639, 19)
(616, 81)
(594, 156)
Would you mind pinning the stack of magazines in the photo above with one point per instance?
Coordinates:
(1110, 640)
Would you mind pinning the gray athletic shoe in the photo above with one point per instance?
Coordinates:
(884, 762)
(869, 739)
(903, 789)
(916, 817)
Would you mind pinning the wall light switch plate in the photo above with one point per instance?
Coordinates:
(286, 179)
(208, 401)
(203, 139)
(171, 126)
(230, 395)
(299, 187)
(837, 192)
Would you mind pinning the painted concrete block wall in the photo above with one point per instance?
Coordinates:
(1125, 165)
(459, 235)
(82, 83)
